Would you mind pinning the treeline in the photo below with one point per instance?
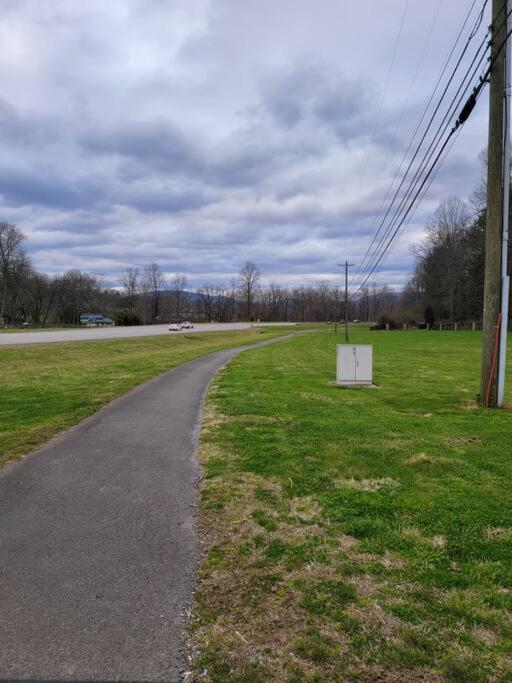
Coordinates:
(145, 296)
(446, 286)
(448, 280)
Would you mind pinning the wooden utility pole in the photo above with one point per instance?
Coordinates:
(494, 220)
(335, 310)
(346, 265)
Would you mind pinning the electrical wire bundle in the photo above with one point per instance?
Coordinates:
(462, 88)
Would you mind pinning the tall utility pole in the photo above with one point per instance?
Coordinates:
(505, 280)
(346, 265)
(496, 179)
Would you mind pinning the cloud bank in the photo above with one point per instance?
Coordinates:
(202, 133)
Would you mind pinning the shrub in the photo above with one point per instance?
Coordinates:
(127, 317)
(383, 321)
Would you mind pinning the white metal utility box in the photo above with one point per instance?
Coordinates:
(354, 365)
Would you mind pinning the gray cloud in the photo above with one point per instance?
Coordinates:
(205, 133)
(21, 187)
(318, 95)
(156, 144)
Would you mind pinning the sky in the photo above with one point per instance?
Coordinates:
(204, 133)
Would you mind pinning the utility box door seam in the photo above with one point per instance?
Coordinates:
(354, 364)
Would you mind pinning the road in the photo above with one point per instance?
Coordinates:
(95, 333)
(98, 549)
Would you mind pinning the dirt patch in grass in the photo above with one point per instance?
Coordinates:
(439, 541)
(368, 484)
(305, 508)
(494, 534)
(485, 635)
(426, 459)
(212, 418)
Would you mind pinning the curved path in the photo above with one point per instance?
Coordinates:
(97, 543)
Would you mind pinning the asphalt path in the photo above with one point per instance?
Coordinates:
(96, 333)
(98, 549)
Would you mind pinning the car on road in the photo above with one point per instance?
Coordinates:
(175, 327)
(187, 325)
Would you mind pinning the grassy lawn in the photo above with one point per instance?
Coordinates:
(46, 388)
(355, 534)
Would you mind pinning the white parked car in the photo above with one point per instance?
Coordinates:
(175, 327)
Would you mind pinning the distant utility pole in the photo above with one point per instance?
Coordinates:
(346, 265)
(495, 317)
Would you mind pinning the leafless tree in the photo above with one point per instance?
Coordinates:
(276, 299)
(75, 294)
(443, 248)
(249, 279)
(223, 302)
(39, 294)
(153, 284)
(11, 249)
(300, 300)
(20, 274)
(179, 284)
(479, 194)
(207, 297)
(130, 284)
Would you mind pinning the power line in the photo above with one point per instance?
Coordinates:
(426, 155)
(416, 201)
(400, 117)
(463, 116)
(420, 121)
(392, 63)
(433, 145)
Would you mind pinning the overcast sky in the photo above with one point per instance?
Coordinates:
(202, 133)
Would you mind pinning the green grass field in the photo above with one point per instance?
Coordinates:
(46, 388)
(355, 534)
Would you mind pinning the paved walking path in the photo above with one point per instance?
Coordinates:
(97, 543)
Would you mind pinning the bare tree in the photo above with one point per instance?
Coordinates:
(20, 273)
(11, 240)
(276, 300)
(153, 284)
(207, 297)
(39, 294)
(130, 283)
(249, 279)
(75, 293)
(479, 194)
(300, 299)
(179, 283)
(222, 304)
(443, 254)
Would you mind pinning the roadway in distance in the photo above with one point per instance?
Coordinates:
(95, 333)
